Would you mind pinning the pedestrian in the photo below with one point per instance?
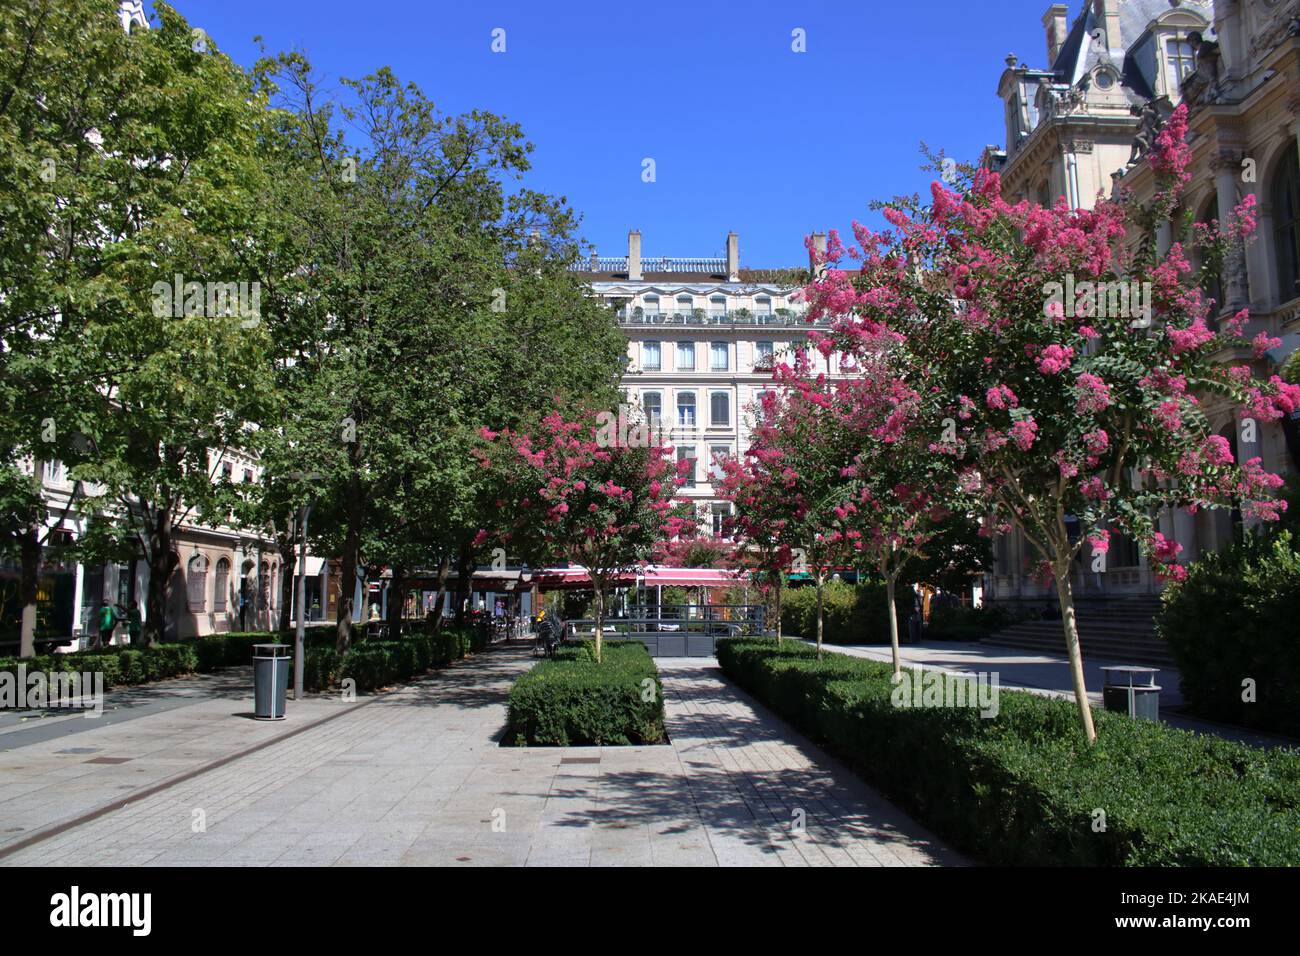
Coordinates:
(107, 622)
(134, 625)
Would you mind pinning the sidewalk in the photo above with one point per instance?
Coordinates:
(417, 777)
(1048, 674)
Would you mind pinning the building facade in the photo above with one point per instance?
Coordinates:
(1080, 129)
(702, 335)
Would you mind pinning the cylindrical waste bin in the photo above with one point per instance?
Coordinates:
(1132, 690)
(271, 667)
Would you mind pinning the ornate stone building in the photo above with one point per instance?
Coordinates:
(1080, 129)
(702, 335)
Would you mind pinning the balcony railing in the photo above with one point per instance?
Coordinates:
(726, 319)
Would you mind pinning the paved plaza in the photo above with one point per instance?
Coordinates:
(417, 776)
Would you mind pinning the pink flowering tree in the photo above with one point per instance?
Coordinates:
(1071, 372)
(900, 497)
(787, 494)
(759, 525)
(574, 493)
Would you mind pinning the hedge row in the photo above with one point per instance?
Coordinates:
(374, 664)
(119, 665)
(1024, 787)
(1231, 625)
(851, 613)
(570, 700)
(371, 664)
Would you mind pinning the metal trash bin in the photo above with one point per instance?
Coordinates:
(271, 666)
(1132, 690)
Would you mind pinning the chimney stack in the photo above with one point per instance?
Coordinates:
(733, 257)
(1056, 23)
(815, 254)
(634, 255)
(1107, 12)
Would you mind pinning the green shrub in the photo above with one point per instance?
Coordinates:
(851, 613)
(1232, 619)
(121, 665)
(571, 700)
(1023, 787)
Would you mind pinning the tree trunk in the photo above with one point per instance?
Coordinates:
(777, 590)
(464, 575)
(288, 568)
(347, 591)
(1065, 594)
(599, 583)
(444, 566)
(821, 579)
(396, 601)
(28, 587)
(162, 562)
(890, 580)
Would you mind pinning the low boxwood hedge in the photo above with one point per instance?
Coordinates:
(374, 664)
(120, 665)
(1024, 787)
(571, 700)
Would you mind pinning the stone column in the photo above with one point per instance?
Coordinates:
(1227, 170)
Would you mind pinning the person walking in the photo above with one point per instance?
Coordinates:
(107, 622)
(134, 625)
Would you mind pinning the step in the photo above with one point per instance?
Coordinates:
(1140, 652)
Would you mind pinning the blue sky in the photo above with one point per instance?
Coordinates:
(746, 134)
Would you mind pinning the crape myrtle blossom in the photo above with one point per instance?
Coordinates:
(565, 496)
(1070, 420)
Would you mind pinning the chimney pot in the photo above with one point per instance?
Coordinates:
(733, 257)
(634, 255)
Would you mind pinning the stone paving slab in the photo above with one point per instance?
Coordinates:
(417, 777)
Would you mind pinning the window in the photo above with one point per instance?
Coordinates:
(651, 356)
(763, 308)
(651, 305)
(685, 305)
(228, 471)
(1180, 60)
(1286, 230)
(720, 409)
(1213, 286)
(196, 580)
(763, 354)
(718, 308)
(221, 586)
(718, 360)
(653, 404)
(718, 454)
(719, 512)
(248, 476)
(686, 356)
(687, 453)
(686, 409)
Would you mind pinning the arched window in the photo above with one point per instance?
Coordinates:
(221, 586)
(1286, 224)
(196, 582)
(1213, 285)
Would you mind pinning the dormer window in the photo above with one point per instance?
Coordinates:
(1180, 61)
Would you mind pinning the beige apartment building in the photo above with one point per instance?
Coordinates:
(702, 335)
(1079, 128)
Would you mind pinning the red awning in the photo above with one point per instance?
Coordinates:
(576, 577)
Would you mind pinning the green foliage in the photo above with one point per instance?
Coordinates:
(571, 700)
(1023, 787)
(121, 666)
(971, 623)
(1234, 619)
(852, 613)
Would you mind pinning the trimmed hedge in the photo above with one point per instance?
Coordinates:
(1233, 618)
(1024, 787)
(120, 665)
(374, 664)
(570, 700)
(851, 613)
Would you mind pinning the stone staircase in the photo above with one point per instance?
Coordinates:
(1120, 629)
